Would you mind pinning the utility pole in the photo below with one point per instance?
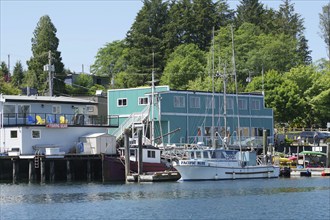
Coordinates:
(50, 73)
(8, 66)
(50, 68)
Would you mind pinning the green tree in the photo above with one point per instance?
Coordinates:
(325, 26)
(145, 41)
(5, 87)
(277, 52)
(81, 86)
(314, 89)
(249, 11)
(4, 72)
(18, 75)
(186, 63)
(110, 59)
(291, 24)
(44, 40)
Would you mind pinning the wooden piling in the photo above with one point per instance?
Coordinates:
(127, 154)
(68, 171)
(89, 177)
(42, 171)
(31, 171)
(140, 164)
(51, 171)
(15, 170)
(264, 145)
(328, 155)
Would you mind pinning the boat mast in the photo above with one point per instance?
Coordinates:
(212, 134)
(234, 70)
(152, 100)
(225, 102)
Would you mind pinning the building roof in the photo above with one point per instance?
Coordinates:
(51, 99)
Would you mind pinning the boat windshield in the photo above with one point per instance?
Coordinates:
(223, 154)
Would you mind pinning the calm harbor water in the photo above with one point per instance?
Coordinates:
(293, 198)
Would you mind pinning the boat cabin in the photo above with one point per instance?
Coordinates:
(150, 154)
(249, 157)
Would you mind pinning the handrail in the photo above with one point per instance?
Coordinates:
(133, 118)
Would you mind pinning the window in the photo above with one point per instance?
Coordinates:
(151, 154)
(230, 103)
(13, 134)
(242, 104)
(23, 110)
(208, 103)
(9, 111)
(143, 101)
(179, 101)
(195, 102)
(255, 104)
(205, 154)
(36, 134)
(121, 102)
(132, 152)
(56, 109)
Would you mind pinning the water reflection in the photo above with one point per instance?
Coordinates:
(135, 194)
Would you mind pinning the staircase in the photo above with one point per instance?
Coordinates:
(134, 118)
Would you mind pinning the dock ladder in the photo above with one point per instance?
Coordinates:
(36, 159)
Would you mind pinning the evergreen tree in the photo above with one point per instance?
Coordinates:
(145, 41)
(110, 59)
(291, 24)
(44, 40)
(4, 72)
(18, 75)
(250, 11)
(325, 26)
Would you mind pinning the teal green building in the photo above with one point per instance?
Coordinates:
(187, 117)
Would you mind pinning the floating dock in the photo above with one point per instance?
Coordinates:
(312, 172)
(155, 177)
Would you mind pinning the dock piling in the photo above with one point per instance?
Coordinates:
(15, 170)
(31, 171)
(127, 154)
(68, 171)
(51, 171)
(89, 176)
(140, 164)
(42, 171)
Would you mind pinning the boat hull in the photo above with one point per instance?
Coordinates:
(114, 168)
(195, 172)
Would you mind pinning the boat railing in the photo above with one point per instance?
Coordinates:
(246, 141)
(49, 119)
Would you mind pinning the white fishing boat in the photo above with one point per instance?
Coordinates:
(221, 164)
